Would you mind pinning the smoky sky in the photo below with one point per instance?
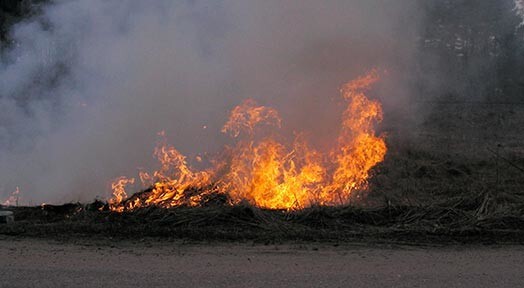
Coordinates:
(519, 9)
(87, 84)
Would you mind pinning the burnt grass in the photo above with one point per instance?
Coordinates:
(458, 223)
(415, 197)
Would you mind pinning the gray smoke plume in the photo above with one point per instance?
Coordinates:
(87, 84)
(519, 9)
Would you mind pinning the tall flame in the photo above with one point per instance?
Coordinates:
(265, 172)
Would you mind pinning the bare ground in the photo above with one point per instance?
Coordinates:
(154, 263)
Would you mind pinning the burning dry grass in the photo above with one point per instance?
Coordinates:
(416, 196)
(421, 192)
(264, 171)
(443, 202)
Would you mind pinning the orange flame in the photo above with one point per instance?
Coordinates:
(265, 172)
(119, 192)
(247, 116)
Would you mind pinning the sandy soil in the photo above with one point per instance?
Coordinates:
(44, 263)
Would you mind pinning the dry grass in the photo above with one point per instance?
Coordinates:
(465, 217)
(430, 189)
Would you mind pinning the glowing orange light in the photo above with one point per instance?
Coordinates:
(266, 172)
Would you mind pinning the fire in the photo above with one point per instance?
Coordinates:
(119, 192)
(265, 172)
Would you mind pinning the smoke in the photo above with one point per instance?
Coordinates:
(519, 8)
(88, 84)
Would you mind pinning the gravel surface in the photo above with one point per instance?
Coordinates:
(151, 263)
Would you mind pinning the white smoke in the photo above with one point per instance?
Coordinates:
(89, 83)
(519, 8)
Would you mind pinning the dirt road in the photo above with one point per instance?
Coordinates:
(42, 263)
